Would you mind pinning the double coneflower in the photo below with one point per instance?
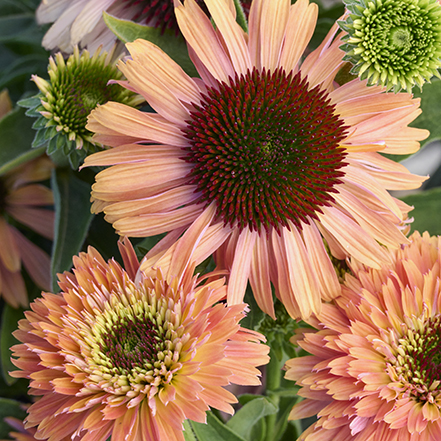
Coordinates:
(123, 354)
(374, 372)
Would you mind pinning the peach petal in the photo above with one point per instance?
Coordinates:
(30, 195)
(119, 119)
(305, 409)
(313, 58)
(273, 21)
(151, 224)
(232, 34)
(158, 64)
(241, 266)
(321, 264)
(326, 66)
(152, 89)
(163, 202)
(35, 260)
(13, 288)
(9, 252)
(260, 276)
(284, 286)
(373, 223)
(190, 240)
(131, 153)
(39, 220)
(353, 239)
(303, 281)
(200, 35)
(299, 30)
(131, 181)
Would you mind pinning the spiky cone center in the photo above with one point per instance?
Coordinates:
(394, 42)
(414, 360)
(134, 346)
(266, 148)
(75, 88)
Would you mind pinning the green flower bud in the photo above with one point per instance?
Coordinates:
(395, 43)
(74, 89)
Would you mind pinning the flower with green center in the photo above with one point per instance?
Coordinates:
(396, 43)
(131, 354)
(74, 89)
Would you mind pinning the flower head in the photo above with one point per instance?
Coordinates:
(81, 23)
(124, 354)
(21, 202)
(260, 160)
(374, 372)
(75, 88)
(396, 43)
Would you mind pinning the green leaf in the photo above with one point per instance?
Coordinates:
(72, 219)
(173, 45)
(429, 118)
(9, 408)
(10, 317)
(16, 135)
(244, 419)
(255, 315)
(189, 435)
(214, 430)
(427, 211)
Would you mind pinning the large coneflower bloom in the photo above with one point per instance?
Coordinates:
(122, 354)
(270, 156)
(374, 372)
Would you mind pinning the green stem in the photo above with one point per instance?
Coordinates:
(273, 381)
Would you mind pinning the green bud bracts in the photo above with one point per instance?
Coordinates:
(75, 87)
(395, 43)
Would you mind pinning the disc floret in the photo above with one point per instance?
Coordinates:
(137, 340)
(266, 148)
(396, 43)
(75, 87)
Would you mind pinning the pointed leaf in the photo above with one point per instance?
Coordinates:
(429, 119)
(16, 135)
(427, 211)
(72, 220)
(10, 317)
(244, 419)
(9, 408)
(173, 45)
(214, 430)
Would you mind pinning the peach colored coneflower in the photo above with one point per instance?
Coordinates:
(21, 202)
(374, 372)
(270, 156)
(121, 354)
